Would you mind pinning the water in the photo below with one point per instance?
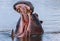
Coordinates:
(5, 36)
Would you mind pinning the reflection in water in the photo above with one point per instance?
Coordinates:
(31, 38)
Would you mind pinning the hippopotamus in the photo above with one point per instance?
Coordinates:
(28, 23)
(17, 26)
(35, 25)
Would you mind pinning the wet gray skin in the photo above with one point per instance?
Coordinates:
(35, 25)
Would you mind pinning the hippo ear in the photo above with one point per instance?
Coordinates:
(41, 21)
